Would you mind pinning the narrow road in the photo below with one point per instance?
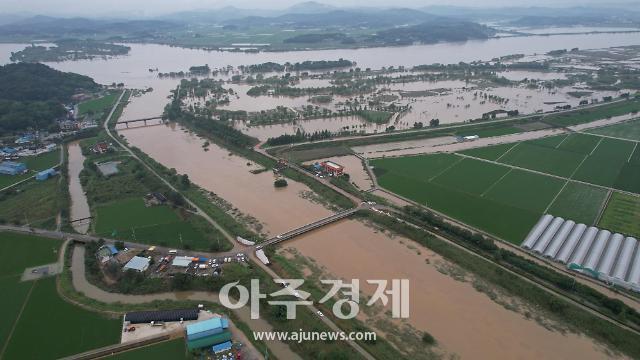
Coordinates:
(199, 211)
(236, 245)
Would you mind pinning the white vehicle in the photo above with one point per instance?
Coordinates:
(320, 313)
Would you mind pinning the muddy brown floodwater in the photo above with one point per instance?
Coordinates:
(79, 204)
(229, 176)
(463, 320)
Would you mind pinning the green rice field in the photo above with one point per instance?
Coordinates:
(579, 203)
(622, 214)
(506, 201)
(129, 219)
(628, 130)
(33, 311)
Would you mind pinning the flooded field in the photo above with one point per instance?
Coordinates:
(79, 204)
(229, 176)
(464, 321)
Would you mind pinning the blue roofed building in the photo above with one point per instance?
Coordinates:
(12, 168)
(45, 174)
(206, 328)
(225, 346)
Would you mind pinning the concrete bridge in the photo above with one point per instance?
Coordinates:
(127, 122)
(314, 225)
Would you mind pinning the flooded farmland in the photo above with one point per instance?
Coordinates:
(229, 176)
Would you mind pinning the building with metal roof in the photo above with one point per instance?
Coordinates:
(137, 263)
(182, 261)
(612, 258)
(141, 317)
(225, 346)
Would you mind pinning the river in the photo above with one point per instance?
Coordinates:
(463, 320)
(79, 204)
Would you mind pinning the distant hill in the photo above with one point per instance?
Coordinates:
(31, 96)
(49, 27)
(438, 30)
(347, 18)
(38, 82)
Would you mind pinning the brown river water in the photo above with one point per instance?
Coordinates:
(463, 320)
(79, 204)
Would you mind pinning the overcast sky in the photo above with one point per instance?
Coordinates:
(156, 7)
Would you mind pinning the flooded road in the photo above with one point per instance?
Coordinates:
(463, 320)
(79, 205)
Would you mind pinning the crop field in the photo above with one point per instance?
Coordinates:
(526, 190)
(479, 189)
(33, 312)
(173, 349)
(97, 105)
(587, 115)
(543, 159)
(130, 219)
(603, 166)
(489, 152)
(628, 130)
(579, 203)
(458, 177)
(622, 214)
(409, 177)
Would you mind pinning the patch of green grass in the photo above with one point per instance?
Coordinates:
(35, 202)
(471, 176)
(11, 304)
(23, 251)
(376, 117)
(578, 202)
(580, 143)
(128, 213)
(422, 167)
(549, 141)
(628, 130)
(525, 190)
(98, 105)
(489, 152)
(622, 214)
(407, 179)
(604, 165)
(544, 159)
(131, 220)
(173, 349)
(58, 328)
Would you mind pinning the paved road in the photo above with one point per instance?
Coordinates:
(199, 211)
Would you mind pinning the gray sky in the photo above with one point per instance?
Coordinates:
(156, 7)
